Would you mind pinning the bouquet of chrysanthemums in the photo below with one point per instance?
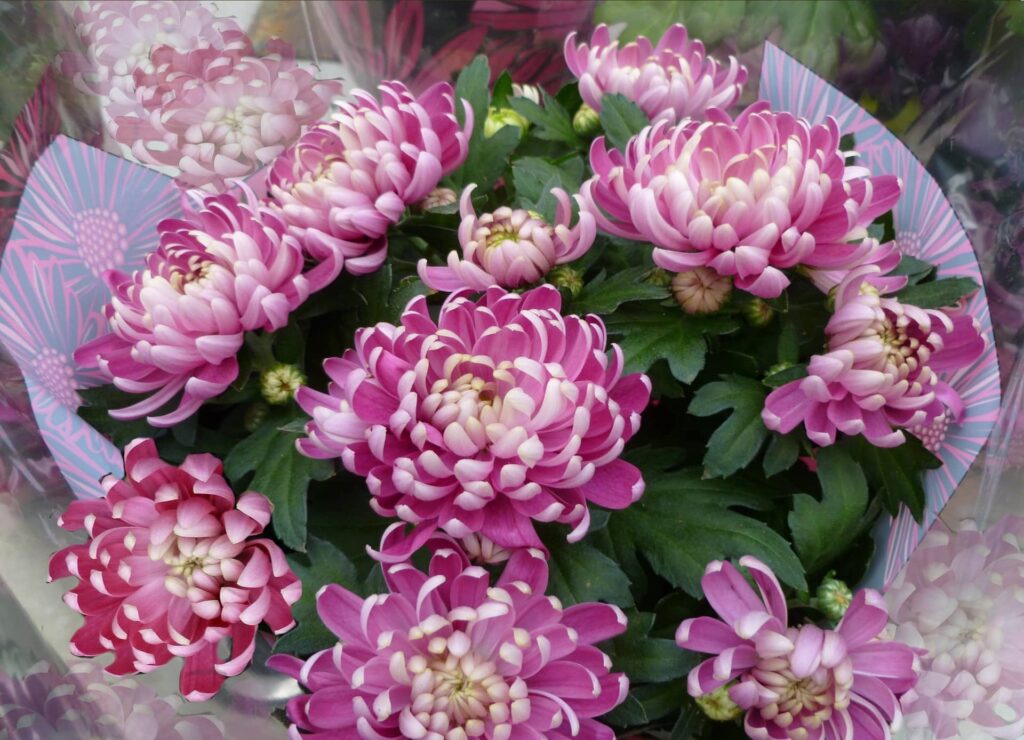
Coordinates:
(498, 410)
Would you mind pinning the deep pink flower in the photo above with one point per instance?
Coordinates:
(445, 655)
(671, 81)
(171, 569)
(179, 324)
(214, 113)
(47, 704)
(747, 197)
(510, 247)
(803, 683)
(500, 412)
(345, 182)
(881, 371)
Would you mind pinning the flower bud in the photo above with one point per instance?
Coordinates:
(566, 278)
(586, 121)
(758, 312)
(499, 118)
(701, 290)
(437, 198)
(834, 597)
(719, 706)
(530, 92)
(660, 277)
(279, 383)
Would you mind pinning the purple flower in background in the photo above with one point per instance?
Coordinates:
(447, 655)
(796, 682)
(46, 704)
(959, 601)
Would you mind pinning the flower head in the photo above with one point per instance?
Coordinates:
(500, 412)
(796, 682)
(279, 383)
(881, 371)
(510, 247)
(701, 290)
(178, 324)
(446, 655)
(171, 568)
(959, 601)
(345, 182)
(499, 118)
(747, 197)
(671, 81)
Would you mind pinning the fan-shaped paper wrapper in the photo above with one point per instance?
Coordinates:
(926, 227)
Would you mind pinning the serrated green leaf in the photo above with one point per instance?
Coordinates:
(473, 85)
(648, 659)
(822, 530)
(551, 121)
(323, 563)
(502, 91)
(782, 453)
(646, 703)
(916, 270)
(533, 179)
(579, 573)
(621, 119)
(683, 521)
(937, 293)
(603, 294)
(655, 333)
(739, 438)
(487, 159)
(896, 473)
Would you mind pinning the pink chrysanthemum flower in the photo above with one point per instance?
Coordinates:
(45, 704)
(446, 655)
(345, 182)
(500, 412)
(671, 81)
(179, 324)
(959, 601)
(171, 568)
(803, 683)
(881, 371)
(213, 113)
(510, 247)
(747, 197)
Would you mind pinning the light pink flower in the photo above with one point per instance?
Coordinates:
(881, 371)
(958, 600)
(500, 412)
(214, 113)
(748, 197)
(171, 568)
(446, 655)
(801, 682)
(344, 183)
(178, 324)
(510, 247)
(671, 81)
(46, 704)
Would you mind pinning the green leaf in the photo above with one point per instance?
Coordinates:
(822, 530)
(647, 703)
(649, 659)
(603, 295)
(404, 292)
(534, 178)
(281, 474)
(683, 521)
(736, 442)
(99, 401)
(473, 85)
(789, 342)
(621, 119)
(916, 270)
(322, 564)
(657, 333)
(937, 293)
(896, 473)
(551, 122)
(579, 573)
(502, 91)
(782, 453)
(781, 377)
(487, 159)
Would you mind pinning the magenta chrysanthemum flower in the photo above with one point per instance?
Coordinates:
(500, 412)
(747, 197)
(445, 655)
(671, 81)
(803, 683)
(345, 182)
(179, 324)
(510, 247)
(959, 601)
(171, 569)
(46, 704)
(881, 371)
(214, 113)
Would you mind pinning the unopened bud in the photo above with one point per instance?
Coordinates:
(438, 197)
(701, 290)
(566, 278)
(719, 706)
(758, 312)
(499, 118)
(834, 597)
(660, 277)
(586, 121)
(530, 92)
(279, 383)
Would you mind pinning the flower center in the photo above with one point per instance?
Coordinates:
(194, 270)
(185, 558)
(499, 236)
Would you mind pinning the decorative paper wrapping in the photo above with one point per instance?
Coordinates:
(926, 227)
